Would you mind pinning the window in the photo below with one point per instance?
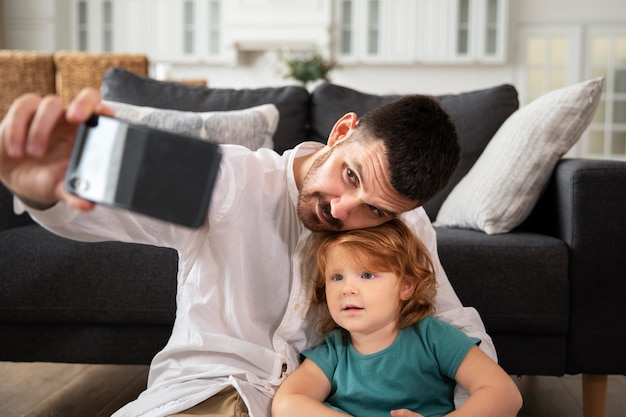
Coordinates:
(462, 47)
(188, 28)
(82, 24)
(491, 35)
(607, 133)
(214, 27)
(107, 26)
(547, 57)
(373, 27)
(345, 27)
(558, 57)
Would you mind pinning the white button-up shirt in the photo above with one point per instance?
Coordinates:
(242, 300)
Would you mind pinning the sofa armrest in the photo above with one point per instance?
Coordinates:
(591, 201)
(590, 197)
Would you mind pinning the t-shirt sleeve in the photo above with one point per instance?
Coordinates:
(448, 344)
(326, 355)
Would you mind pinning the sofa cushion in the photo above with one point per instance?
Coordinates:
(502, 187)
(517, 281)
(491, 106)
(291, 101)
(253, 127)
(8, 218)
(62, 281)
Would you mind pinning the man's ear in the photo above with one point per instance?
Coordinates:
(341, 129)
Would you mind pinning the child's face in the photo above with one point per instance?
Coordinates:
(360, 300)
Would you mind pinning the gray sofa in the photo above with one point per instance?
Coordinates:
(551, 292)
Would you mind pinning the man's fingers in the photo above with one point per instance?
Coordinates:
(16, 124)
(72, 200)
(86, 103)
(49, 112)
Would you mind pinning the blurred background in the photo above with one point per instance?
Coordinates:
(376, 46)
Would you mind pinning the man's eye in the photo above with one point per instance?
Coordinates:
(375, 211)
(351, 176)
(367, 275)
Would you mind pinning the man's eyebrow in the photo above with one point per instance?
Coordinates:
(359, 171)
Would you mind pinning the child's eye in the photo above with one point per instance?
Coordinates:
(336, 277)
(367, 275)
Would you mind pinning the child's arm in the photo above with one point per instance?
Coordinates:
(303, 392)
(492, 391)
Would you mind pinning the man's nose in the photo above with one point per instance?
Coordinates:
(340, 207)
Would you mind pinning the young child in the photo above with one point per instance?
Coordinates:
(384, 353)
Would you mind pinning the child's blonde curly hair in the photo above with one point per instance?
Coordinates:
(390, 247)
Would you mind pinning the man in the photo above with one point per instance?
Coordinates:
(243, 311)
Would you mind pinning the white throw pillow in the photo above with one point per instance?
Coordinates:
(253, 128)
(503, 186)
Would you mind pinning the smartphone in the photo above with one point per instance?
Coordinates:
(154, 172)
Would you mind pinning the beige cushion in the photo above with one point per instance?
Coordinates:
(504, 184)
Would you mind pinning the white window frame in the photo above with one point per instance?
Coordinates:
(573, 68)
(608, 96)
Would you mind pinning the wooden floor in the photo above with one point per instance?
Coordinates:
(77, 390)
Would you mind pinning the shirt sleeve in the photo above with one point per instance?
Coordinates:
(448, 344)
(326, 355)
(113, 224)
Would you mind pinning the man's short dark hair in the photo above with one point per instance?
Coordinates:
(421, 143)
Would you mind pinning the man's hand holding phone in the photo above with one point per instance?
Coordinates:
(152, 172)
(36, 140)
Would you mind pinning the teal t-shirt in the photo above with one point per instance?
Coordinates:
(416, 372)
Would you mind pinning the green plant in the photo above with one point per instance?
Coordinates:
(308, 68)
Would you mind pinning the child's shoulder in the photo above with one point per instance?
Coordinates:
(432, 327)
(430, 323)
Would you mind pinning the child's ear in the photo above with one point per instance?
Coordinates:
(407, 288)
(341, 128)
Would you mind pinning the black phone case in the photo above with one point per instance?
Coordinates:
(161, 174)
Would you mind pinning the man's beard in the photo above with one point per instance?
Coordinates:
(310, 203)
(308, 207)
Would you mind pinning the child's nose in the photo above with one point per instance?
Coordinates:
(349, 288)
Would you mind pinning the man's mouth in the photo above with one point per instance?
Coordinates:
(323, 214)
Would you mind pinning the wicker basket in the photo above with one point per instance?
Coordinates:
(202, 82)
(77, 70)
(24, 72)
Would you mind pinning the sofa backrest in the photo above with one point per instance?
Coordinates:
(310, 116)
(291, 101)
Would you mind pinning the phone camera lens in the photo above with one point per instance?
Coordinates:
(79, 185)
